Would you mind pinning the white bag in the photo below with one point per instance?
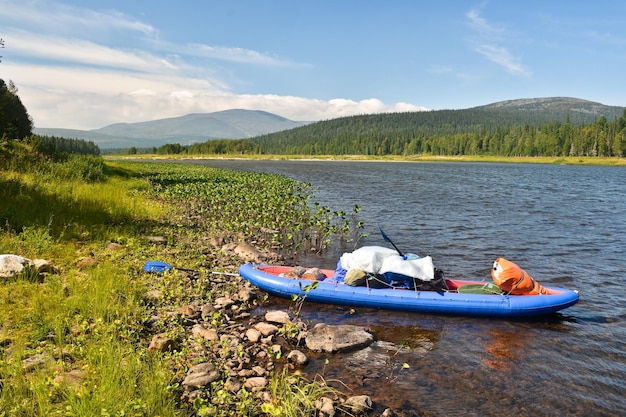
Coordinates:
(421, 268)
(368, 258)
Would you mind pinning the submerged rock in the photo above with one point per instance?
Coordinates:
(325, 406)
(341, 338)
(359, 404)
(297, 358)
(280, 317)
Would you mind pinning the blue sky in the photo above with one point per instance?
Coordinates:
(87, 64)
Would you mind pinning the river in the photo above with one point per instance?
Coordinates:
(566, 225)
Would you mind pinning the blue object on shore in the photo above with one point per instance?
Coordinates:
(157, 267)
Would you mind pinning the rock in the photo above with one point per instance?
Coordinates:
(114, 247)
(12, 265)
(359, 404)
(232, 384)
(86, 262)
(246, 252)
(266, 329)
(153, 296)
(201, 375)
(246, 295)
(160, 240)
(297, 358)
(231, 340)
(258, 370)
(44, 267)
(222, 303)
(36, 361)
(325, 406)
(161, 343)
(199, 330)
(276, 350)
(341, 338)
(255, 384)
(73, 378)
(189, 311)
(207, 309)
(245, 373)
(253, 335)
(389, 413)
(280, 317)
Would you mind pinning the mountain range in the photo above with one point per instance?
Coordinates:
(240, 124)
(185, 130)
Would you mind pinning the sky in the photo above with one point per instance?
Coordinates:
(87, 64)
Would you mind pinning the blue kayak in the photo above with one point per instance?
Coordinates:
(453, 301)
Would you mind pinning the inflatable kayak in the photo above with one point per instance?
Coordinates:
(460, 298)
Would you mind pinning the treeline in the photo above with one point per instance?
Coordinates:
(471, 133)
(433, 133)
(599, 138)
(52, 145)
(212, 147)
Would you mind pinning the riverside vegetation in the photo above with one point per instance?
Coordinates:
(79, 342)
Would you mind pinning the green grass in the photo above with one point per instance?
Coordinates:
(89, 318)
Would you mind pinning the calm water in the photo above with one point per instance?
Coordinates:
(566, 225)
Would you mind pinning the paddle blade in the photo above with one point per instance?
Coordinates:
(157, 267)
(384, 235)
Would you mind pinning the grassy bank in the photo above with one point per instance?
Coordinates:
(571, 160)
(76, 342)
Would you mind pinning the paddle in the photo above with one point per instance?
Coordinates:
(389, 240)
(161, 267)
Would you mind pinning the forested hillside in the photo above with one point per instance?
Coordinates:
(446, 133)
(499, 130)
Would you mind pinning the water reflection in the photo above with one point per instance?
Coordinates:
(505, 348)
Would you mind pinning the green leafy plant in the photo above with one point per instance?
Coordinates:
(299, 299)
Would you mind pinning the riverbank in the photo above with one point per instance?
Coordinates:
(98, 335)
(569, 160)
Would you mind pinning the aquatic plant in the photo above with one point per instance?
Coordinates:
(273, 211)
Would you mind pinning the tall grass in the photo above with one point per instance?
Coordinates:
(70, 209)
(89, 320)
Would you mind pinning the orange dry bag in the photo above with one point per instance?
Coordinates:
(514, 280)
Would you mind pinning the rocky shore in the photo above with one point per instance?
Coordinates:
(231, 348)
(214, 343)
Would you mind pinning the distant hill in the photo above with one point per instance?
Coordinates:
(541, 110)
(191, 128)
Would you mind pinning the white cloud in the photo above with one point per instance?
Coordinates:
(88, 98)
(52, 17)
(70, 75)
(235, 55)
(489, 41)
(74, 51)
